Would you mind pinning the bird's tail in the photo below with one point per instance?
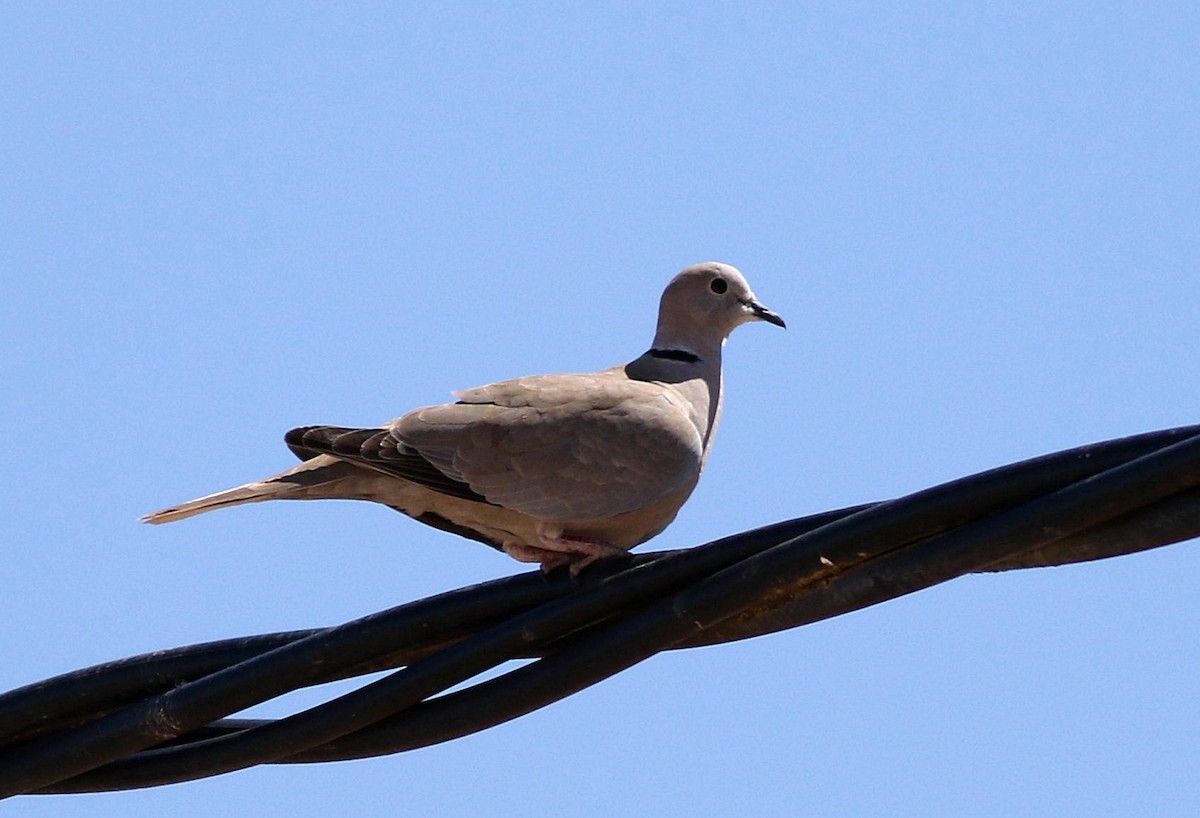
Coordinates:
(303, 482)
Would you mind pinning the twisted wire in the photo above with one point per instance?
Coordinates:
(165, 717)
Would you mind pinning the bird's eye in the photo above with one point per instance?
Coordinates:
(719, 286)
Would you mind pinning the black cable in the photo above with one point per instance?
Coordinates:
(159, 718)
(865, 579)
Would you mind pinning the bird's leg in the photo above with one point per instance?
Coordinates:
(596, 549)
(555, 550)
(580, 552)
(550, 560)
(521, 552)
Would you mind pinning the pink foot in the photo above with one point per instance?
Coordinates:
(556, 551)
(580, 552)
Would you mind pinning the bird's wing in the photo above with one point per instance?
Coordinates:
(559, 447)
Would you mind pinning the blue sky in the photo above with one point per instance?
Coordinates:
(981, 224)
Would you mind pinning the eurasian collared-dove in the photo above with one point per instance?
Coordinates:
(550, 468)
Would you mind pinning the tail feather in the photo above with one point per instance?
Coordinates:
(249, 493)
(307, 481)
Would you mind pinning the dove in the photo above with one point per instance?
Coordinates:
(550, 469)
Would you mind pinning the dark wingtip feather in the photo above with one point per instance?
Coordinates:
(306, 442)
(353, 441)
(376, 448)
(295, 441)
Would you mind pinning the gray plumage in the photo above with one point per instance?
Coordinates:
(551, 468)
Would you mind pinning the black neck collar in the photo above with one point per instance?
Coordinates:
(675, 355)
